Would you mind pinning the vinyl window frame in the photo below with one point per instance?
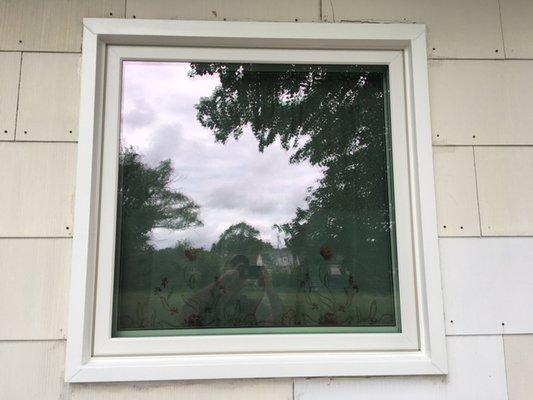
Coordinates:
(93, 355)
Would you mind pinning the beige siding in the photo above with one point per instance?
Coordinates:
(455, 185)
(486, 283)
(519, 361)
(9, 81)
(49, 97)
(50, 25)
(456, 28)
(273, 10)
(32, 370)
(35, 276)
(517, 25)
(264, 389)
(37, 193)
(481, 102)
(476, 371)
(505, 184)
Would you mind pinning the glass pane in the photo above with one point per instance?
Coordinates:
(254, 198)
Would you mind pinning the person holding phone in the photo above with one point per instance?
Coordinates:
(229, 300)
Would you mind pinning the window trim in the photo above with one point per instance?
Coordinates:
(105, 345)
(92, 355)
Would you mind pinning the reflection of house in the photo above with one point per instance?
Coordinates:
(257, 260)
(281, 260)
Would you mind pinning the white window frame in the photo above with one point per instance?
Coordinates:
(93, 355)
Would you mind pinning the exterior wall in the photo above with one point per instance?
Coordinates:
(481, 88)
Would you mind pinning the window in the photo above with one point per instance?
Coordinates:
(254, 200)
(226, 172)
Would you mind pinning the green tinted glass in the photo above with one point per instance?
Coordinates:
(254, 198)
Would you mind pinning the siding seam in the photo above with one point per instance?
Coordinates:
(505, 367)
(32, 340)
(48, 141)
(477, 192)
(18, 97)
(429, 58)
(293, 385)
(501, 29)
(332, 11)
(41, 51)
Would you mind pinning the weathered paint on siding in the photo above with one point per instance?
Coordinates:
(226, 10)
(455, 28)
(490, 99)
(256, 389)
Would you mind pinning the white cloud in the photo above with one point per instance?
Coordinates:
(231, 182)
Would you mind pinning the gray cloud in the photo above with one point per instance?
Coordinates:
(231, 182)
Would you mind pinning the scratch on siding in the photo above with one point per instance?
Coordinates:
(332, 10)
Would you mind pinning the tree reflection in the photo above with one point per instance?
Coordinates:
(146, 202)
(336, 248)
(331, 116)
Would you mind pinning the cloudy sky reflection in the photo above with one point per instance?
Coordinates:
(231, 182)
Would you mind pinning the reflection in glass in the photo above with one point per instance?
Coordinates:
(254, 196)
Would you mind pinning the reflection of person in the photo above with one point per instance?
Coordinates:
(231, 302)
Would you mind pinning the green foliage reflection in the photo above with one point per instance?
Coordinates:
(336, 265)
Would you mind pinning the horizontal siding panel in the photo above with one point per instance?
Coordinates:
(32, 370)
(487, 285)
(35, 280)
(505, 184)
(49, 97)
(517, 25)
(476, 371)
(481, 102)
(456, 28)
(264, 389)
(256, 10)
(50, 25)
(455, 186)
(37, 193)
(9, 82)
(519, 363)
